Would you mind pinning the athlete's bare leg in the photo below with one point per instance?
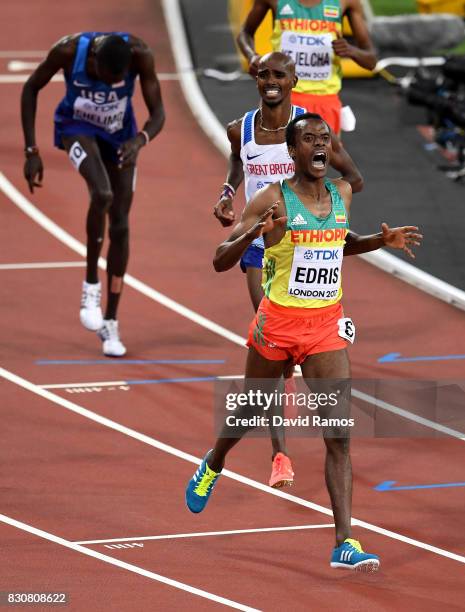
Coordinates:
(259, 373)
(93, 170)
(122, 183)
(335, 365)
(254, 284)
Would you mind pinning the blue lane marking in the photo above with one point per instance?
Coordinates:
(396, 358)
(125, 361)
(170, 380)
(387, 486)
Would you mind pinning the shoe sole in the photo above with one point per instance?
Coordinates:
(282, 483)
(369, 567)
(114, 356)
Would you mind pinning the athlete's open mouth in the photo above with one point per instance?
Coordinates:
(272, 92)
(319, 160)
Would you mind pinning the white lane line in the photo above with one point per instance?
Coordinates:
(127, 566)
(460, 435)
(107, 383)
(50, 226)
(173, 536)
(171, 450)
(46, 265)
(9, 79)
(6, 54)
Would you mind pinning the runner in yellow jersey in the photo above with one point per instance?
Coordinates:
(305, 224)
(310, 31)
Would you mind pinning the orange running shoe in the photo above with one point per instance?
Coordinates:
(282, 474)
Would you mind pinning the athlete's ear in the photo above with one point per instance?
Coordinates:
(291, 151)
(296, 80)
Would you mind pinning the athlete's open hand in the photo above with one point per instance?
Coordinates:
(266, 222)
(253, 65)
(129, 150)
(33, 171)
(401, 237)
(224, 212)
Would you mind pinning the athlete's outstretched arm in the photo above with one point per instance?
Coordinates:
(145, 67)
(363, 53)
(55, 61)
(395, 237)
(223, 209)
(257, 219)
(245, 39)
(343, 163)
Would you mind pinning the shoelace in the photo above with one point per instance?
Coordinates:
(355, 544)
(91, 297)
(206, 482)
(110, 332)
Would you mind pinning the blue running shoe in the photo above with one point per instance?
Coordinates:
(349, 555)
(200, 487)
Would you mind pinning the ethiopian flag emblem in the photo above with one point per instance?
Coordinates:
(331, 11)
(340, 217)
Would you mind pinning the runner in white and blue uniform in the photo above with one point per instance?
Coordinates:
(259, 156)
(95, 124)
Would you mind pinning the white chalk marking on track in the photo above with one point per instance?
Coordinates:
(173, 536)
(46, 265)
(50, 226)
(122, 564)
(109, 383)
(171, 450)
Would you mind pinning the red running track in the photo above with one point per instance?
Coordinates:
(82, 480)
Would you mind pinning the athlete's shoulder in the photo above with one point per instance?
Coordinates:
(139, 47)
(66, 46)
(344, 188)
(267, 195)
(233, 129)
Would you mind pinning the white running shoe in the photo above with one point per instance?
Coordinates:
(91, 313)
(112, 345)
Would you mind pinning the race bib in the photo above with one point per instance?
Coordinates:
(316, 273)
(108, 116)
(312, 54)
(346, 329)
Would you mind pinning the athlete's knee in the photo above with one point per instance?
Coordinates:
(119, 230)
(337, 441)
(101, 199)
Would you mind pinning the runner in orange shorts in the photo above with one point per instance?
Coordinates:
(305, 224)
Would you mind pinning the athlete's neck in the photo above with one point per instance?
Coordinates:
(308, 185)
(273, 117)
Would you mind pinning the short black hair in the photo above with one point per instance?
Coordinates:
(114, 54)
(290, 130)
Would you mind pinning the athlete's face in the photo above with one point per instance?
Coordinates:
(312, 147)
(275, 81)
